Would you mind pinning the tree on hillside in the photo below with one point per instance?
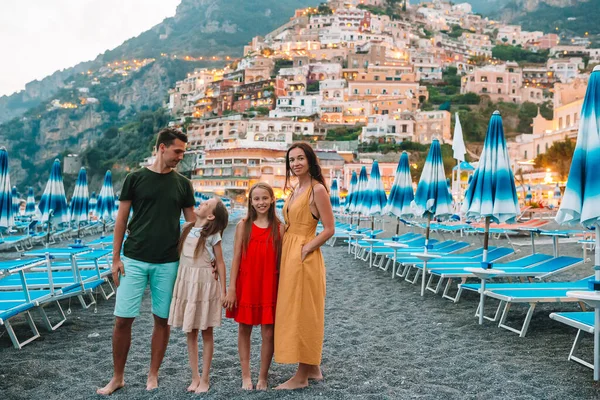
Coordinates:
(558, 158)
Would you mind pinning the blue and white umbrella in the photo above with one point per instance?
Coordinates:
(334, 196)
(6, 215)
(93, 202)
(30, 205)
(105, 207)
(197, 198)
(432, 198)
(492, 194)
(528, 195)
(361, 190)
(80, 202)
(375, 199)
(53, 204)
(15, 201)
(557, 192)
(350, 202)
(401, 195)
(582, 194)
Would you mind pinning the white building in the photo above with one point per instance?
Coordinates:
(383, 129)
(296, 106)
(565, 69)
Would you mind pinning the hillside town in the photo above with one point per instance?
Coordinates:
(344, 65)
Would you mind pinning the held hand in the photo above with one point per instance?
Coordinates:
(230, 299)
(118, 270)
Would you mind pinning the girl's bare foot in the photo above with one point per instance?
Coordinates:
(111, 387)
(247, 384)
(203, 387)
(194, 385)
(293, 383)
(152, 382)
(262, 384)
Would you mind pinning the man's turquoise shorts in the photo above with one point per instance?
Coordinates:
(133, 284)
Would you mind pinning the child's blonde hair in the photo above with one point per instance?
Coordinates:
(216, 225)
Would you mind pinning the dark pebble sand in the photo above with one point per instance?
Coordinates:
(382, 341)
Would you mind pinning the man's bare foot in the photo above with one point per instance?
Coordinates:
(262, 384)
(247, 384)
(194, 385)
(315, 373)
(111, 387)
(203, 387)
(293, 383)
(152, 382)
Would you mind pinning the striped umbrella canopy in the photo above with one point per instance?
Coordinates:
(361, 190)
(375, 199)
(197, 198)
(80, 202)
(582, 193)
(15, 201)
(30, 206)
(93, 202)
(401, 195)
(279, 203)
(349, 203)
(105, 207)
(6, 214)
(334, 196)
(53, 198)
(432, 198)
(492, 194)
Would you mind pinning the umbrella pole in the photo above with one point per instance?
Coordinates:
(597, 309)
(426, 251)
(397, 226)
(372, 223)
(486, 240)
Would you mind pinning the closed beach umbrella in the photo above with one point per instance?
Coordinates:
(582, 193)
(492, 194)
(15, 201)
(80, 202)
(30, 205)
(458, 150)
(334, 196)
(432, 198)
(528, 195)
(93, 202)
(349, 204)
(557, 192)
(6, 214)
(375, 199)
(53, 204)
(361, 190)
(105, 207)
(401, 195)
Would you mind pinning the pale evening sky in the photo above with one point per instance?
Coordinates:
(39, 37)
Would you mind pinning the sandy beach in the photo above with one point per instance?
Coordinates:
(382, 341)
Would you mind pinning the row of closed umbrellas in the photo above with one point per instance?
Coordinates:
(53, 204)
(492, 194)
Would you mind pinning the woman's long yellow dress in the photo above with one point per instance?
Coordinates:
(300, 312)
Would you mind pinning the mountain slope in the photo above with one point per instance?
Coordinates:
(199, 28)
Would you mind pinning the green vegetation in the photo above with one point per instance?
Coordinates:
(344, 133)
(518, 54)
(546, 18)
(558, 158)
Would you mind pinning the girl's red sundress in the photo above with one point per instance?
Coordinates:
(258, 278)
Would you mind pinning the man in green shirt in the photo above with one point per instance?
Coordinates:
(157, 194)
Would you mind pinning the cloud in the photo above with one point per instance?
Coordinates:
(38, 37)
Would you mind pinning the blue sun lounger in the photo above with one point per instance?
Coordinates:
(583, 322)
(446, 248)
(452, 275)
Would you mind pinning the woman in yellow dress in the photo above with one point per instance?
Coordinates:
(300, 312)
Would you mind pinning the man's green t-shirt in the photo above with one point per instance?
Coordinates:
(156, 201)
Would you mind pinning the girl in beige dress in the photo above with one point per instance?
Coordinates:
(197, 296)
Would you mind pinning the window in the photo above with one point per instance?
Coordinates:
(568, 120)
(560, 123)
(355, 91)
(302, 102)
(484, 90)
(499, 80)
(538, 149)
(368, 91)
(404, 128)
(525, 154)
(484, 79)
(499, 91)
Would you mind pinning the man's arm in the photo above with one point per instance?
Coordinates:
(188, 214)
(118, 235)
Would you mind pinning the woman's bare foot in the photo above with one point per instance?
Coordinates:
(152, 382)
(111, 387)
(262, 384)
(315, 373)
(203, 387)
(247, 384)
(194, 385)
(293, 383)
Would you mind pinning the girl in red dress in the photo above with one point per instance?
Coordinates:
(252, 292)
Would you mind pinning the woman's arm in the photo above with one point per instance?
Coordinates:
(231, 298)
(321, 201)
